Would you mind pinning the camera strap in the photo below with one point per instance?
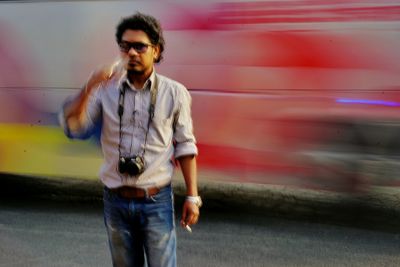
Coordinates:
(152, 107)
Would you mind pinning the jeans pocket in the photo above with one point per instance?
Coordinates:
(164, 196)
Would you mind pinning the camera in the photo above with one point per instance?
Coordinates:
(131, 165)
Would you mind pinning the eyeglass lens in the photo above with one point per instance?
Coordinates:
(137, 46)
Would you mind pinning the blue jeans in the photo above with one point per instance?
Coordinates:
(142, 230)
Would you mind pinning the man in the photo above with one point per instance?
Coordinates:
(146, 122)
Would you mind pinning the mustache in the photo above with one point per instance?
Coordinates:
(133, 61)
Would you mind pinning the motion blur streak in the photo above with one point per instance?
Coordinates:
(306, 11)
(303, 93)
(369, 102)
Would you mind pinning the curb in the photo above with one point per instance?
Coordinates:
(379, 208)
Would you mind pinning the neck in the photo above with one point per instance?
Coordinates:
(138, 79)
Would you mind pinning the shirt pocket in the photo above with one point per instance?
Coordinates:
(161, 130)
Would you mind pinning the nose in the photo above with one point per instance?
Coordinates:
(132, 52)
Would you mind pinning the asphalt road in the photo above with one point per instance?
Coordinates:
(53, 232)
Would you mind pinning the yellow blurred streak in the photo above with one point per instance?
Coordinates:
(32, 133)
(45, 151)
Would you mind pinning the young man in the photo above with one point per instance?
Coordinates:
(146, 122)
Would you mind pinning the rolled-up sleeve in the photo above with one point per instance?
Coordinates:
(92, 115)
(185, 141)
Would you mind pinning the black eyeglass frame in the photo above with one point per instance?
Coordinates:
(139, 47)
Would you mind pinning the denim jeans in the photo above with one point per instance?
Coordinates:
(141, 231)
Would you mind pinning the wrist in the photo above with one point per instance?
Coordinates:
(192, 191)
(195, 200)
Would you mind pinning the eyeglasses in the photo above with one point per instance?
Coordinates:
(139, 47)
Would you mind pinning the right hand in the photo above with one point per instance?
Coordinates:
(103, 73)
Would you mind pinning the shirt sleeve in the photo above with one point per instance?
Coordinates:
(92, 114)
(185, 141)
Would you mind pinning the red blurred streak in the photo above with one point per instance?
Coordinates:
(301, 4)
(236, 15)
(381, 10)
(239, 159)
(10, 65)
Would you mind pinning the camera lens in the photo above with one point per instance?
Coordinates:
(131, 165)
(122, 165)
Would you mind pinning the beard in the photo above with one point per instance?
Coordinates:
(135, 72)
(134, 69)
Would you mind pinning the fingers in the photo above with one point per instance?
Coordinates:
(184, 219)
(190, 214)
(99, 75)
(102, 73)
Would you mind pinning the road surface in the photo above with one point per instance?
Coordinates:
(49, 232)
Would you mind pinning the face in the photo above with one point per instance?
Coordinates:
(137, 52)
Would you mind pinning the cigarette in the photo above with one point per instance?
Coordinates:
(187, 227)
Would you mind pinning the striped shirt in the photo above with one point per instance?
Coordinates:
(169, 135)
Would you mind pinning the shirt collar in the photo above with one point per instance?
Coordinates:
(148, 85)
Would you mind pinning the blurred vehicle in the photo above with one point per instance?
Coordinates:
(294, 92)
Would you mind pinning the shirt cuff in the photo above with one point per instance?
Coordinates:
(79, 133)
(63, 121)
(185, 149)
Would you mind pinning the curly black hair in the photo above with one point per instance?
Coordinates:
(150, 25)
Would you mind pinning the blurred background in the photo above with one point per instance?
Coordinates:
(302, 93)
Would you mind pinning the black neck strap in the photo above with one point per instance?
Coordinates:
(121, 100)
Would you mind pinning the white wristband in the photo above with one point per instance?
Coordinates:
(195, 200)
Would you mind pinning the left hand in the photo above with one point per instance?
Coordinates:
(190, 213)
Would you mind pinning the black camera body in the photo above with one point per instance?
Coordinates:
(131, 165)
